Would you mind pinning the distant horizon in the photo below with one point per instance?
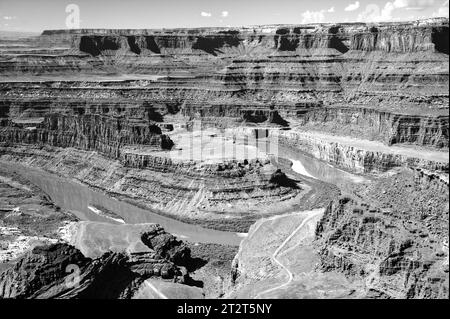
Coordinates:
(223, 27)
(36, 16)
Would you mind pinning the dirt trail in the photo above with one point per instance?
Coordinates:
(310, 215)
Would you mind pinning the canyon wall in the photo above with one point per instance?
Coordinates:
(88, 132)
(358, 159)
(385, 126)
(396, 242)
(389, 37)
(382, 76)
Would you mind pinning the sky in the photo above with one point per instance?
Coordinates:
(39, 15)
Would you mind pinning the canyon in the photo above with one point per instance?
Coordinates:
(272, 161)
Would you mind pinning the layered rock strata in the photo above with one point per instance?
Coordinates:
(363, 157)
(383, 125)
(260, 74)
(396, 240)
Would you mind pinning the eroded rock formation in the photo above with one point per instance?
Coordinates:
(61, 271)
(396, 240)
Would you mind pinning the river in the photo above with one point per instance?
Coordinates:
(306, 164)
(78, 198)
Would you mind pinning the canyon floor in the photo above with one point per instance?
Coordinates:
(285, 161)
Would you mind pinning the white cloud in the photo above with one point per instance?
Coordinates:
(442, 10)
(352, 6)
(413, 4)
(401, 3)
(313, 16)
(205, 14)
(373, 13)
(9, 18)
(386, 12)
(224, 14)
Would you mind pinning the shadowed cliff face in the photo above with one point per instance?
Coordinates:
(95, 45)
(388, 38)
(138, 43)
(213, 45)
(287, 39)
(440, 37)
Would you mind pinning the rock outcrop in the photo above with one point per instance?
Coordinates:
(89, 132)
(61, 271)
(396, 240)
(166, 246)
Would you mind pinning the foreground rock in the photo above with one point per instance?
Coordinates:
(166, 245)
(62, 271)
